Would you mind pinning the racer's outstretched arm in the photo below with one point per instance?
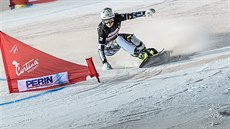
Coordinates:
(133, 15)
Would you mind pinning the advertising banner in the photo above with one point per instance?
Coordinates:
(43, 82)
(28, 68)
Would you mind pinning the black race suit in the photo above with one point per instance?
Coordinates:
(106, 35)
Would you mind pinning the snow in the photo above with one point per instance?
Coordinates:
(190, 92)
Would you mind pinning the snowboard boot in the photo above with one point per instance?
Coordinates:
(144, 54)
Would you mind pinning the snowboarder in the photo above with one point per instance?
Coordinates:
(110, 40)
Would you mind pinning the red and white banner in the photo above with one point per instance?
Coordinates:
(28, 68)
(26, 3)
(40, 1)
(15, 2)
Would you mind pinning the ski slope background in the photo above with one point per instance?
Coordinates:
(192, 91)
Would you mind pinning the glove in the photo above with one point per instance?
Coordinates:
(149, 12)
(107, 66)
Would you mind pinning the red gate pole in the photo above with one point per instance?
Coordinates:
(92, 69)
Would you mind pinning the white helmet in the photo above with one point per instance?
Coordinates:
(107, 13)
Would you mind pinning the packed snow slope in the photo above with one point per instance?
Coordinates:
(192, 91)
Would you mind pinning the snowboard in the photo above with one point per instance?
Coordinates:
(158, 59)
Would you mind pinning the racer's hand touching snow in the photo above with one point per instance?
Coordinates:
(106, 66)
(149, 12)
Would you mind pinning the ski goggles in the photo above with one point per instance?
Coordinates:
(106, 21)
